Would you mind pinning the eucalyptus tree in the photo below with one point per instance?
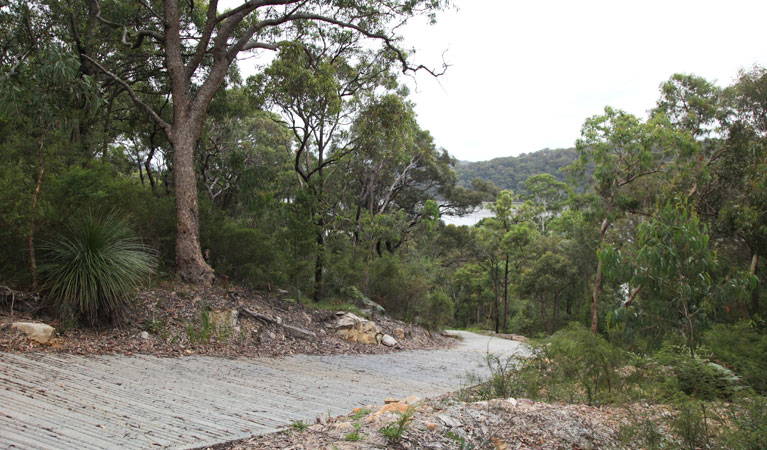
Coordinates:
(623, 150)
(198, 44)
(549, 195)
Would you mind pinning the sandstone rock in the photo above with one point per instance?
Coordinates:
(38, 332)
(388, 341)
(144, 335)
(399, 333)
(300, 333)
(431, 426)
(391, 400)
(391, 408)
(448, 421)
(356, 329)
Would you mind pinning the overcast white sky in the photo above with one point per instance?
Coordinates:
(525, 75)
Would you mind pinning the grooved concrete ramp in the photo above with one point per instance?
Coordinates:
(78, 402)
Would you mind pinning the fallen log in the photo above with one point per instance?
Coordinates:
(296, 332)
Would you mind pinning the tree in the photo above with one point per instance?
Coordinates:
(546, 280)
(623, 150)
(198, 45)
(672, 269)
(548, 194)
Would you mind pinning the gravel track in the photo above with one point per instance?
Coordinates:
(62, 401)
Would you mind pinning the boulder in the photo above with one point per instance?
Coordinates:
(38, 332)
(399, 333)
(300, 333)
(388, 341)
(356, 329)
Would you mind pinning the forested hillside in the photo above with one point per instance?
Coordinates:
(511, 172)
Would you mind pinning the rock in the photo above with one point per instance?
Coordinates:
(388, 341)
(391, 400)
(448, 421)
(38, 332)
(356, 329)
(392, 408)
(512, 400)
(144, 335)
(431, 426)
(323, 419)
(399, 333)
(300, 333)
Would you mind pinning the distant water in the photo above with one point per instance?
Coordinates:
(469, 219)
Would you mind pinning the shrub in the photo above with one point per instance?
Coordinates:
(696, 377)
(573, 366)
(393, 431)
(749, 417)
(91, 269)
(742, 348)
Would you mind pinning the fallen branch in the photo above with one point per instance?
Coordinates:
(298, 333)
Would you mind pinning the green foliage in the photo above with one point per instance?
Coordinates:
(676, 269)
(91, 270)
(393, 431)
(643, 433)
(691, 424)
(299, 425)
(748, 415)
(437, 311)
(207, 327)
(696, 377)
(511, 172)
(353, 436)
(240, 252)
(743, 348)
(360, 414)
(573, 366)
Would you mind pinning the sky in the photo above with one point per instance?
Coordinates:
(524, 76)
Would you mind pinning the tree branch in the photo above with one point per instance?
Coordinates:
(156, 117)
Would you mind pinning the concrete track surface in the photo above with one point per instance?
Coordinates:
(57, 401)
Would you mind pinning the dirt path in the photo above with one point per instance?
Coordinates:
(64, 401)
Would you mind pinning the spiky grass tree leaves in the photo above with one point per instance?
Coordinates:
(91, 269)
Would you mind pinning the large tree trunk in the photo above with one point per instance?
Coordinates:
(190, 263)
